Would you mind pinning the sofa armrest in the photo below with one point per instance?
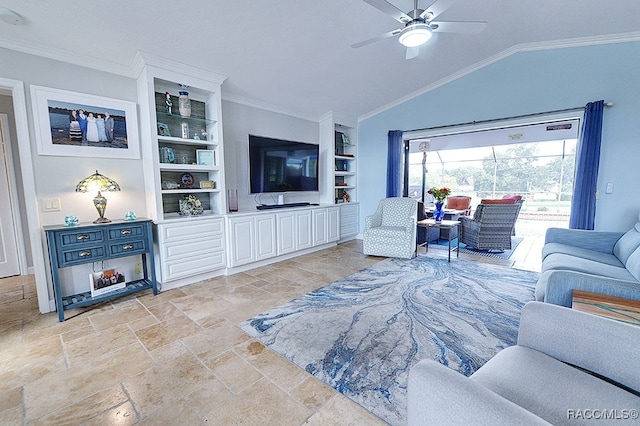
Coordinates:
(438, 395)
(593, 240)
(601, 345)
(556, 286)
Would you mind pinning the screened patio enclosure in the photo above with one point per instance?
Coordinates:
(536, 161)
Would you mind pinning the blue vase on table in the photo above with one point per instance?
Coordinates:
(438, 212)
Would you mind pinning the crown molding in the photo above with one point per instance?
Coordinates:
(143, 59)
(229, 97)
(519, 48)
(65, 56)
(339, 118)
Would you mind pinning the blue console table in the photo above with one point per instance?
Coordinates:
(87, 243)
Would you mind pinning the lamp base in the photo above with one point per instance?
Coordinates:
(102, 220)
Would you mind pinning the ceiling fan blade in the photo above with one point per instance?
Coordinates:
(386, 7)
(436, 9)
(466, 27)
(373, 40)
(412, 52)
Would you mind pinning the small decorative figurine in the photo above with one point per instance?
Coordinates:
(71, 220)
(345, 197)
(168, 102)
(203, 134)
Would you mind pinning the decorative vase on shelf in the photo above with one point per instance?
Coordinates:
(184, 103)
(438, 212)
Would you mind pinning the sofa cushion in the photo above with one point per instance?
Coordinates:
(566, 262)
(549, 388)
(596, 256)
(633, 264)
(627, 244)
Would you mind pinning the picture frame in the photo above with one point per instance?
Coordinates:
(206, 157)
(163, 129)
(106, 281)
(107, 128)
(207, 184)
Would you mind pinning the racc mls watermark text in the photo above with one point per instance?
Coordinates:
(602, 414)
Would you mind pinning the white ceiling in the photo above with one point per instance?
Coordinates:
(294, 56)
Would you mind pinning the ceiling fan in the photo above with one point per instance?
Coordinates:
(419, 24)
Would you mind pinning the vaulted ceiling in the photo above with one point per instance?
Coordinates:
(294, 56)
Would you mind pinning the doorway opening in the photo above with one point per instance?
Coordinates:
(534, 160)
(9, 248)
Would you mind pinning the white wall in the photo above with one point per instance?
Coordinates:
(238, 122)
(56, 176)
(525, 83)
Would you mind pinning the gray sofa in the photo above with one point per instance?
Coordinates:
(595, 261)
(568, 367)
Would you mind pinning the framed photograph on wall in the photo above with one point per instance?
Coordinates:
(79, 125)
(106, 281)
(206, 157)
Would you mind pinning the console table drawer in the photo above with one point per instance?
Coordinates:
(129, 231)
(83, 255)
(75, 237)
(127, 248)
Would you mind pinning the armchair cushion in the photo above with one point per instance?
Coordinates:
(498, 201)
(459, 202)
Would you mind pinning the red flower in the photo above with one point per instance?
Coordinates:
(439, 193)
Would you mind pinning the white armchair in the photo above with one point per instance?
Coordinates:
(391, 230)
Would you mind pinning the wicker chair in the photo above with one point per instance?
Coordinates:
(391, 230)
(491, 227)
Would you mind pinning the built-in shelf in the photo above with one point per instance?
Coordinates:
(172, 139)
(188, 190)
(186, 167)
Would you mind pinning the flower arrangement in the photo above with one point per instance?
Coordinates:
(439, 193)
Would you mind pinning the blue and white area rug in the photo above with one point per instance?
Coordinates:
(496, 254)
(362, 334)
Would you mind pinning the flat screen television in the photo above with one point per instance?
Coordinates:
(277, 165)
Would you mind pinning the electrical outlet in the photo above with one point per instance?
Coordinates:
(138, 268)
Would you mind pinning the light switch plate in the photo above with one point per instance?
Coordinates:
(609, 189)
(51, 205)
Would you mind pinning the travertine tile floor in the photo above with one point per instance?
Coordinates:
(174, 358)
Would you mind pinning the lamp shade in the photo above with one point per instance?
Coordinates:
(97, 182)
(415, 35)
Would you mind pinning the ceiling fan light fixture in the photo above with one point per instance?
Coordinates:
(415, 35)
